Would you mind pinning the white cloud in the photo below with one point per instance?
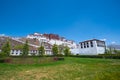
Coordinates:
(2, 34)
(113, 42)
(103, 39)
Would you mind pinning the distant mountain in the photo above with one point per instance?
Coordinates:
(114, 46)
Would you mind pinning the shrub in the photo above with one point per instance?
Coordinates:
(107, 56)
(58, 58)
(5, 60)
(2, 60)
(60, 55)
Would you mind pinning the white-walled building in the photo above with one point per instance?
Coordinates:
(33, 46)
(53, 39)
(15, 52)
(92, 47)
(89, 47)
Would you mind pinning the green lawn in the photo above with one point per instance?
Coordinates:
(69, 69)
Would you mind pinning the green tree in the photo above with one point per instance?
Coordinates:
(41, 50)
(61, 49)
(67, 51)
(55, 50)
(110, 51)
(25, 49)
(20, 47)
(6, 49)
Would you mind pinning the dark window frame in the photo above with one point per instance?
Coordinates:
(84, 45)
(91, 43)
(87, 44)
(81, 45)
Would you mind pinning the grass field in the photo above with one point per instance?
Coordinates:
(69, 69)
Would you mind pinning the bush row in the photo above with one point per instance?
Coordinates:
(5, 60)
(97, 56)
(29, 59)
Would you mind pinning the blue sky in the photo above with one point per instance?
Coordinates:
(74, 19)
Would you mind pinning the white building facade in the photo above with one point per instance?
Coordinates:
(15, 52)
(92, 47)
(42, 38)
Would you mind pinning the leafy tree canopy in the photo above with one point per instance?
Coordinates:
(41, 50)
(55, 50)
(6, 49)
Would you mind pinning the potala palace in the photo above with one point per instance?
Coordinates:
(87, 47)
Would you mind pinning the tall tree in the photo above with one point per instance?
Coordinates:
(41, 50)
(25, 49)
(55, 50)
(67, 51)
(20, 47)
(6, 49)
(61, 49)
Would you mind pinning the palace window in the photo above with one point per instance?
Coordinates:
(81, 45)
(91, 43)
(87, 44)
(84, 45)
